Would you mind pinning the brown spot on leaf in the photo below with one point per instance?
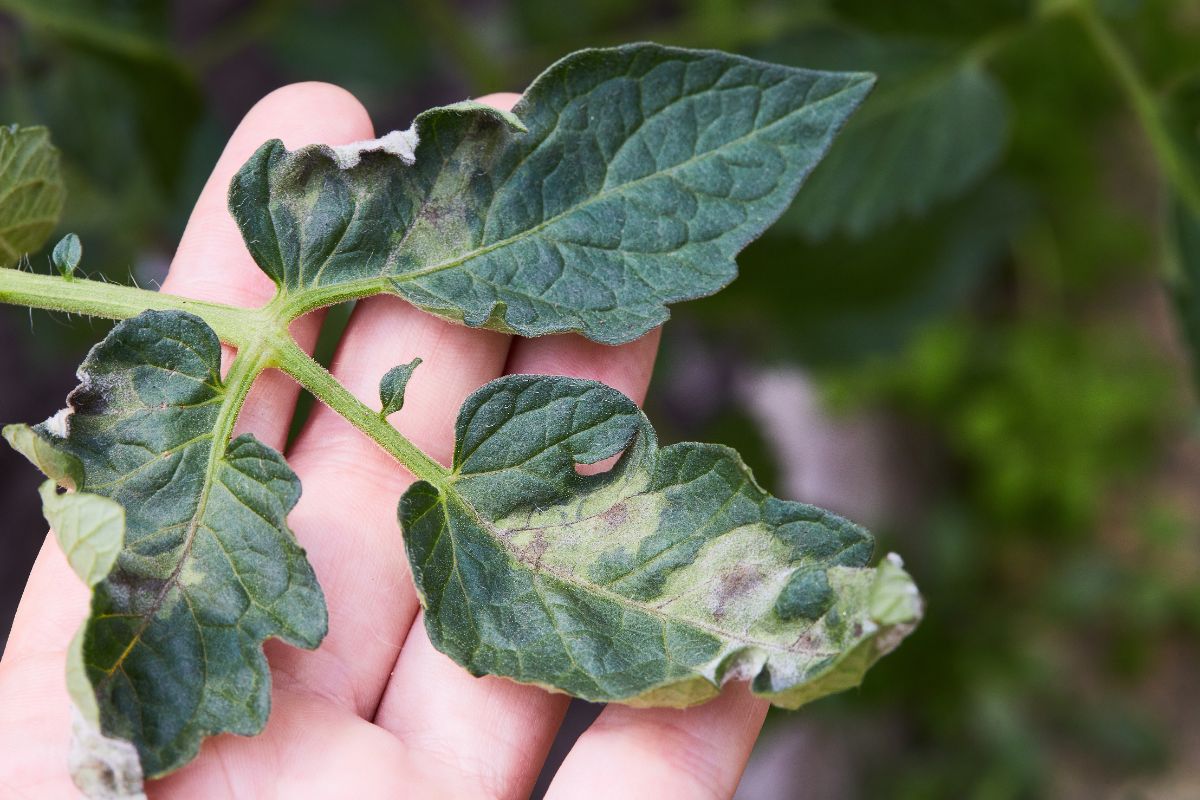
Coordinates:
(733, 585)
(616, 516)
(533, 552)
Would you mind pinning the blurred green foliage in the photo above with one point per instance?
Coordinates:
(980, 258)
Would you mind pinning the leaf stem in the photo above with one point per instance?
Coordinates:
(326, 388)
(235, 326)
(262, 330)
(1146, 106)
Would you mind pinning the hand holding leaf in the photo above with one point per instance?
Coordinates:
(623, 181)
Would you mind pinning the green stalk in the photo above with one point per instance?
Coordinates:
(326, 388)
(261, 335)
(1145, 105)
(235, 326)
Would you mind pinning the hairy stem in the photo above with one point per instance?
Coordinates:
(326, 388)
(235, 326)
(263, 331)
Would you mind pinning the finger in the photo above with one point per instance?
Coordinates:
(212, 262)
(351, 487)
(35, 721)
(346, 517)
(212, 259)
(309, 749)
(496, 729)
(664, 753)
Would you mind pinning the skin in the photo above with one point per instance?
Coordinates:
(376, 711)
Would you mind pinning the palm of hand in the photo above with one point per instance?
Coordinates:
(376, 711)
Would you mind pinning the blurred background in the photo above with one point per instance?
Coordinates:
(970, 332)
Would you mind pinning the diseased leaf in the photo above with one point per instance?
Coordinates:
(937, 123)
(392, 386)
(624, 180)
(103, 768)
(31, 191)
(650, 584)
(209, 569)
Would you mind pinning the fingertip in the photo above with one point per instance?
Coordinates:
(212, 262)
(691, 752)
(627, 367)
(501, 100)
(301, 114)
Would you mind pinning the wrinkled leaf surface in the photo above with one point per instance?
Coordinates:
(650, 584)
(172, 650)
(624, 180)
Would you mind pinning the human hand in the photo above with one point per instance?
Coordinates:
(376, 711)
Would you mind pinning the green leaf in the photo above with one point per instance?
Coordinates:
(31, 191)
(90, 529)
(392, 386)
(936, 125)
(650, 584)
(67, 255)
(843, 300)
(44, 454)
(110, 81)
(624, 180)
(208, 569)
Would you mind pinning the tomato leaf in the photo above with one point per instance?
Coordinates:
(67, 254)
(650, 584)
(623, 181)
(31, 191)
(936, 125)
(392, 386)
(207, 568)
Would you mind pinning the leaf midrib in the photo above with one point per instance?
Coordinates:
(723, 636)
(242, 372)
(349, 289)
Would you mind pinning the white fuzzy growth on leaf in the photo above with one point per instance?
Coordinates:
(102, 767)
(398, 143)
(59, 424)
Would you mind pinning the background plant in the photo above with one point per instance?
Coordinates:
(1006, 330)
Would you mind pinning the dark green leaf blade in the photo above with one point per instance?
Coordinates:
(172, 650)
(393, 385)
(67, 254)
(935, 126)
(625, 180)
(651, 584)
(31, 191)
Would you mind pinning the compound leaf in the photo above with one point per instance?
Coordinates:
(650, 584)
(31, 191)
(208, 568)
(624, 180)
